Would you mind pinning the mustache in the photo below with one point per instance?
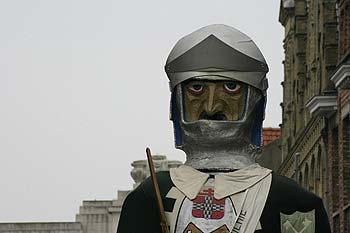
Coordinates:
(218, 116)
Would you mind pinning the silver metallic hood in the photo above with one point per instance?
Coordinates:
(221, 51)
(220, 145)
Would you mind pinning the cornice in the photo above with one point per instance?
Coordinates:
(341, 78)
(322, 105)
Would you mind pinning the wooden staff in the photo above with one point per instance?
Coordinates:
(163, 223)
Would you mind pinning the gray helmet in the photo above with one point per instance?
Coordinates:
(218, 51)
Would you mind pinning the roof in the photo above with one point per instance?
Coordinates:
(270, 134)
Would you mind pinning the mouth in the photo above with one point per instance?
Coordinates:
(218, 116)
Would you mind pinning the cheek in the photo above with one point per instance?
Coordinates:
(193, 107)
(234, 107)
(234, 111)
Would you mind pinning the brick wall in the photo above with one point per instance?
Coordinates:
(344, 96)
(346, 159)
(344, 145)
(344, 27)
(341, 162)
(344, 119)
(333, 179)
(334, 169)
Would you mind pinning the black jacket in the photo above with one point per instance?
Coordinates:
(140, 211)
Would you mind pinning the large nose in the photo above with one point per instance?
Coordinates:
(211, 105)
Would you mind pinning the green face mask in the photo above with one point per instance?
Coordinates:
(214, 100)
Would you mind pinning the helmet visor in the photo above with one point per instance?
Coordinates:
(218, 100)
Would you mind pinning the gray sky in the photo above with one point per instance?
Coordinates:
(83, 92)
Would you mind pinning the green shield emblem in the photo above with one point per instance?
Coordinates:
(298, 222)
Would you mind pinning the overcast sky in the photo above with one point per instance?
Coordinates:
(83, 92)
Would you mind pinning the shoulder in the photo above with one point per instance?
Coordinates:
(279, 181)
(164, 183)
(145, 193)
(140, 206)
(284, 185)
(290, 196)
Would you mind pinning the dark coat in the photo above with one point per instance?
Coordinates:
(140, 211)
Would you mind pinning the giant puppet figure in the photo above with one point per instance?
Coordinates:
(218, 82)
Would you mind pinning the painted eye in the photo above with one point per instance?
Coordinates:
(232, 87)
(196, 88)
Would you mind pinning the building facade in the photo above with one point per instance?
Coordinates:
(310, 47)
(315, 123)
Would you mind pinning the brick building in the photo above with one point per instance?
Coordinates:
(335, 109)
(316, 102)
(339, 128)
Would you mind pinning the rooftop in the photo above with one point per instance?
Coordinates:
(270, 134)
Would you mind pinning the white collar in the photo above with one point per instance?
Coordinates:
(190, 181)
